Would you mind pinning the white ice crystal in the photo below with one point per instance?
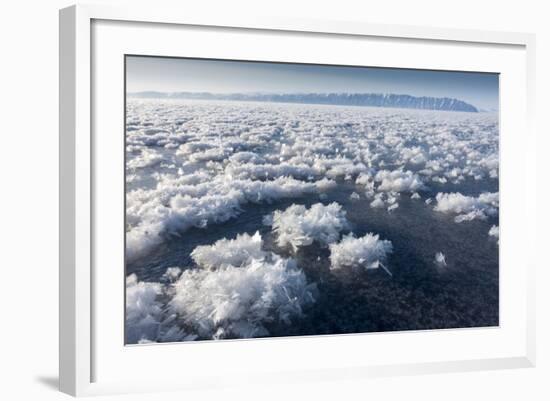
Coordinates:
(440, 259)
(377, 202)
(467, 208)
(234, 252)
(197, 164)
(147, 158)
(215, 157)
(226, 302)
(174, 207)
(172, 273)
(393, 206)
(239, 301)
(368, 252)
(398, 181)
(143, 310)
(494, 232)
(363, 179)
(270, 171)
(298, 226)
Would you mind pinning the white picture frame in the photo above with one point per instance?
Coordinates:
(80, 317)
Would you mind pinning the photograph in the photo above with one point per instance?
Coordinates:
(275, 199)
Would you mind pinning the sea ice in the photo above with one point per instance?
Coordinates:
(194, 164)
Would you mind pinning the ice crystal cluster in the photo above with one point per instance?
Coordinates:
(236, 290)
(298, 226)
(367, 252)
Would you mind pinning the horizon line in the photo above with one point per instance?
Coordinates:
(345, 98)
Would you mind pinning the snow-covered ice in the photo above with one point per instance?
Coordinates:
(205, 166)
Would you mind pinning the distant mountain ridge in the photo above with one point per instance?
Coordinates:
(343, 99)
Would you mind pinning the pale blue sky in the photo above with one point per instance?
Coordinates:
(216, 76)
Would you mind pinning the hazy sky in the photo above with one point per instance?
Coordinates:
(196, 75)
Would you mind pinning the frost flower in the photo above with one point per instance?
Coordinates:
(297, 226)
(368, 252)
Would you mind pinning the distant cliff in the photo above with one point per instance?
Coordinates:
(344, 99)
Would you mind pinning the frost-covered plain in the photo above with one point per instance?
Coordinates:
(263, 219)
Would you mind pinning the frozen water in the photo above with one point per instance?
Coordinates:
(243, 219)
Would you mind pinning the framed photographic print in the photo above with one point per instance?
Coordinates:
(294, 199)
